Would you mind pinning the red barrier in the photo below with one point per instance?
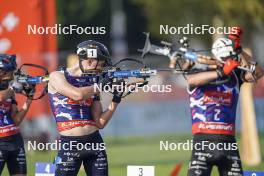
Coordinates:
(15, 16)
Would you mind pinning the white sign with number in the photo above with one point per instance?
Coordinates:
(92, 53)
(140, 171)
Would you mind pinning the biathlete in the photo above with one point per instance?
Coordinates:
(11, 142)
(213, 102)
(78, 112)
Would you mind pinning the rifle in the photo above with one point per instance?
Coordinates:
(114, 72)
(183, 52)
(29, 81)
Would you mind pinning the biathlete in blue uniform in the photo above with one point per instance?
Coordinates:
(78, 112)
(12, 150)
(213, 103)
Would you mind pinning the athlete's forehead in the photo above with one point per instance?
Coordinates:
(93, 60)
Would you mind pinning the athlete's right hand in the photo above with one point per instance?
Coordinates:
(16, 86)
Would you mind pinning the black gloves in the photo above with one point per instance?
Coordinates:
(118, 92)
(117, 96)
(30, 90)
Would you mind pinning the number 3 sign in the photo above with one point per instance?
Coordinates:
(140, 171)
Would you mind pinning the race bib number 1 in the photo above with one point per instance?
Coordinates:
(140, 171)
(92, 53)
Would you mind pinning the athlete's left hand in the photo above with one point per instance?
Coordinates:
(117, 94)
(30, 90)
(188, 64)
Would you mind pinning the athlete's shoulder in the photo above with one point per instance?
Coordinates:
(55, 78)
(55, 74)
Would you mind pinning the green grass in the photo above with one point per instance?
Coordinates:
(123, 151)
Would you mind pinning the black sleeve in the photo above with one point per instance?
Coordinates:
(240, 75)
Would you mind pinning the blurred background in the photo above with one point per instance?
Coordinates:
(142, 119)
